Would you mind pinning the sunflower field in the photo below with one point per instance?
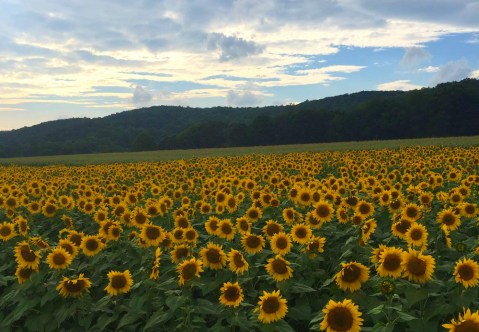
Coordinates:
(371, 240)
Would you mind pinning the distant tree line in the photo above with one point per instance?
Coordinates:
(449, 109)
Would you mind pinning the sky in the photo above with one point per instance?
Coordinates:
(83, 58)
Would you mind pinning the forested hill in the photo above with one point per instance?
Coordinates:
(449, 109)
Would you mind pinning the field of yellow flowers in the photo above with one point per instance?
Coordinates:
(372, 240)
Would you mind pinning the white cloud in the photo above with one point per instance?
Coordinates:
(403, 85)
(475, 74)
(141, 97)
(428, 69)
(452, 71)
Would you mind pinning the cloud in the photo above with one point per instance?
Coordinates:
(232, 47)
(428, 69)
(248, 94)
(475, 74)
(414, 56)
(452, 71)
(141, 97)
(403, 85)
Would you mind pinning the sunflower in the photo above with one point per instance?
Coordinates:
(469, 321)
(23, 273)
(411, 212)
(119, 282)
(290, 215)
(213, 256)
(469, 210)
(152, 234)
(75, 237)
(26, 257)
(179, 252)
(281, 243)
(237, 263)
(49, 209)
(243, 225)
(466, 272)
(418, 267)
(73, 287)
(155, 270)
(417, 235)
(341, 316)
(390, 262)
(352, 276)
(226, 230)
(7, 231)
(376, 254)
(272, 307)
(315, 246)
(253, 214)
(190, 235)
(271, 228)
(189, 269)
(91, 245)
(323, 211)
(368, 227)
(365, 209)
(400, 228)
(22, 225)
(211, 225)
(59, 258)
(301, 233)
(252, 243)
(448, 218)
(279, 268)
(231, 294)
(69, 246)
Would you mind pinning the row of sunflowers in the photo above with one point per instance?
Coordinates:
(378, 240)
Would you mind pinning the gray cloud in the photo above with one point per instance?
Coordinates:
(141, 97)
(232, 47)
(453, 12)
(247, 94)
(414, 56)
(452, 71)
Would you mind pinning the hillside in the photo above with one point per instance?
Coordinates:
(449, 109)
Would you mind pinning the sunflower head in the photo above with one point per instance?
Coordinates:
(352, 276)
(74, 287)
(466, 272)
(119, 282)
(213, 256)
(341, 316)
(237, 263)
(59, 258)
(231, 294)
(272, 307)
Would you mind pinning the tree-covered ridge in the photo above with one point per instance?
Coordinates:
(449, 109)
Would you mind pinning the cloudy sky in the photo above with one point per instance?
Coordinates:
(83, 58)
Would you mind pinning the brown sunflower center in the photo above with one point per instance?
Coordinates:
(181, 252)
(396, 204)
(190, 235)
(188, 271)
(213, 256)
(68, 248)
(76, 239)
(5, 231)
(74, 286)
(403, 226)
(351, 273)
(92, 244)
(416, 266)
(59, 259)
(25, 272)
(392, 262)
(322, 211)
(313, 246)
(226, 229)
(282, 243)
(232, 294)
(364, 209)
(140, 218)
(49, 209)
(301, 232)
(270, 305)
(253, 241)
(467, 326)
(28, 254)
(238, 260)
(115, 232)
(411, 212)
(152, 233)
(279, 266)
(272, 229)
(470, 209)
(448, 219)
(340, 319)
(416, 234)
(253, 214)
(466, 272)
(183, 223)
(118, 281)
(244, 225)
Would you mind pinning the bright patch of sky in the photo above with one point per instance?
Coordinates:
(85, 58)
